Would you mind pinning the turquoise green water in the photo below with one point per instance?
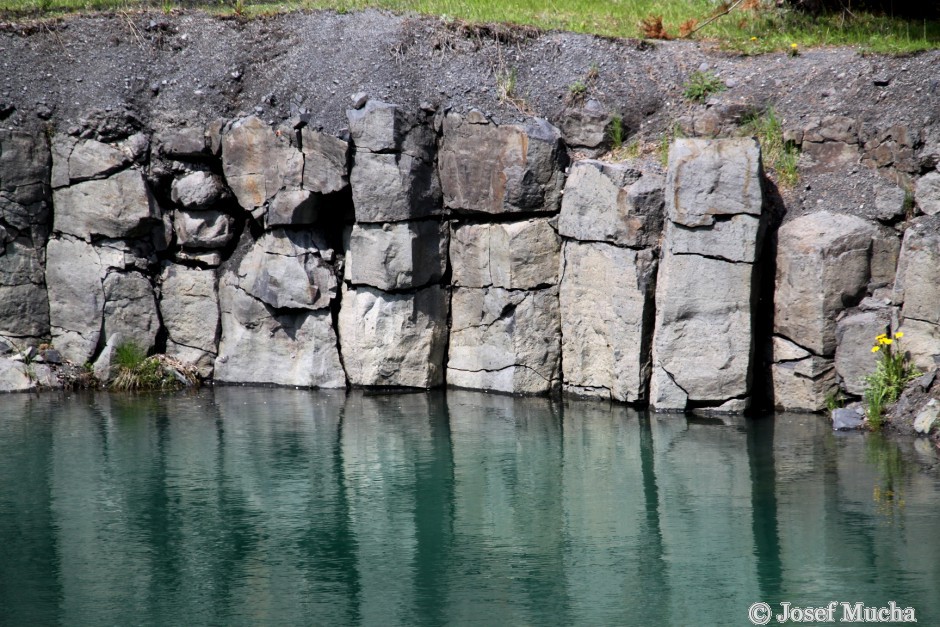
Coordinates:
(243, 506)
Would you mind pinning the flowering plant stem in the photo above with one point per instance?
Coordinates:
(892, 373)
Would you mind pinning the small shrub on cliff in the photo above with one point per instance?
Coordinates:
(701, 85)
(892, 373)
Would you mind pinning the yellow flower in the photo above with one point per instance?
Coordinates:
(753, 38)
(885, 341)
(899, 334)
(875, 349)
(881, 337)
(793, 46)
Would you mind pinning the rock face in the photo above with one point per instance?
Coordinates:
(25, 170)
(203, 229)
(800, 380)
(927, 194)
(465, 263)
(276, 181)
(492, 169)
(397, 256)
(505, 340)
(611, 220)
(703, 343)
(606, 301)
(119, 206)
(917, 291)
(822, 268)
(24, 302)
(511, 255)
(259, 163)
(613, 203)
(393, 177)
(289, 269)
(189, 307)
(25, 166)
(130, 309)
(394, 339)
(825, 263)
(505, 330)
(76, 297)
(855, 335)
(261, 345)
(198, 190)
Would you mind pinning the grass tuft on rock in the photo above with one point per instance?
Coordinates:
(136, 371)
(780, 157)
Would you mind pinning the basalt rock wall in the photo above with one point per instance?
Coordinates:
(426, 248)
(427, 245)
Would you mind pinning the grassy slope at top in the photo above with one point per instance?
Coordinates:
(753, 30)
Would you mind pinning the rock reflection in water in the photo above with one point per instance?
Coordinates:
(246, 506)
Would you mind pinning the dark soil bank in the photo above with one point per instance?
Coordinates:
(196, 67)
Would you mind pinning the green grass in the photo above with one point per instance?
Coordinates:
(780, 157)
(746, 31)
(892, 374)
(701, 85)
(136, 371)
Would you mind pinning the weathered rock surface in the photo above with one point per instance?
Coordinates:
(612, 203)
(119, 206)
(511, 255)
(705, 291)
(703, 340)
(800, 381)
(927, 193)
(486, 168)
(198, 190)
(76, 297)
(393, 177)
(927, 418)
(258, 163)
(184, 142)
(922, 341)
(326, 162)
(189, 306)
(711, 178)
(289, 269)
(292, 207)
(389, 187)
(917, 284)
(203, 229)
(606, 304)
(130, 309)
(822, 268)
(25, 166)
(396, 256)
(87, 159)
(381, 127)
(505, 340)
(259, 345)
(855, 336)
(14, 376)
(394, 339)
(24, 302)
(885, 250)
(585, 127)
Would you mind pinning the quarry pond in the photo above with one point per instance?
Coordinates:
(235, 506)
